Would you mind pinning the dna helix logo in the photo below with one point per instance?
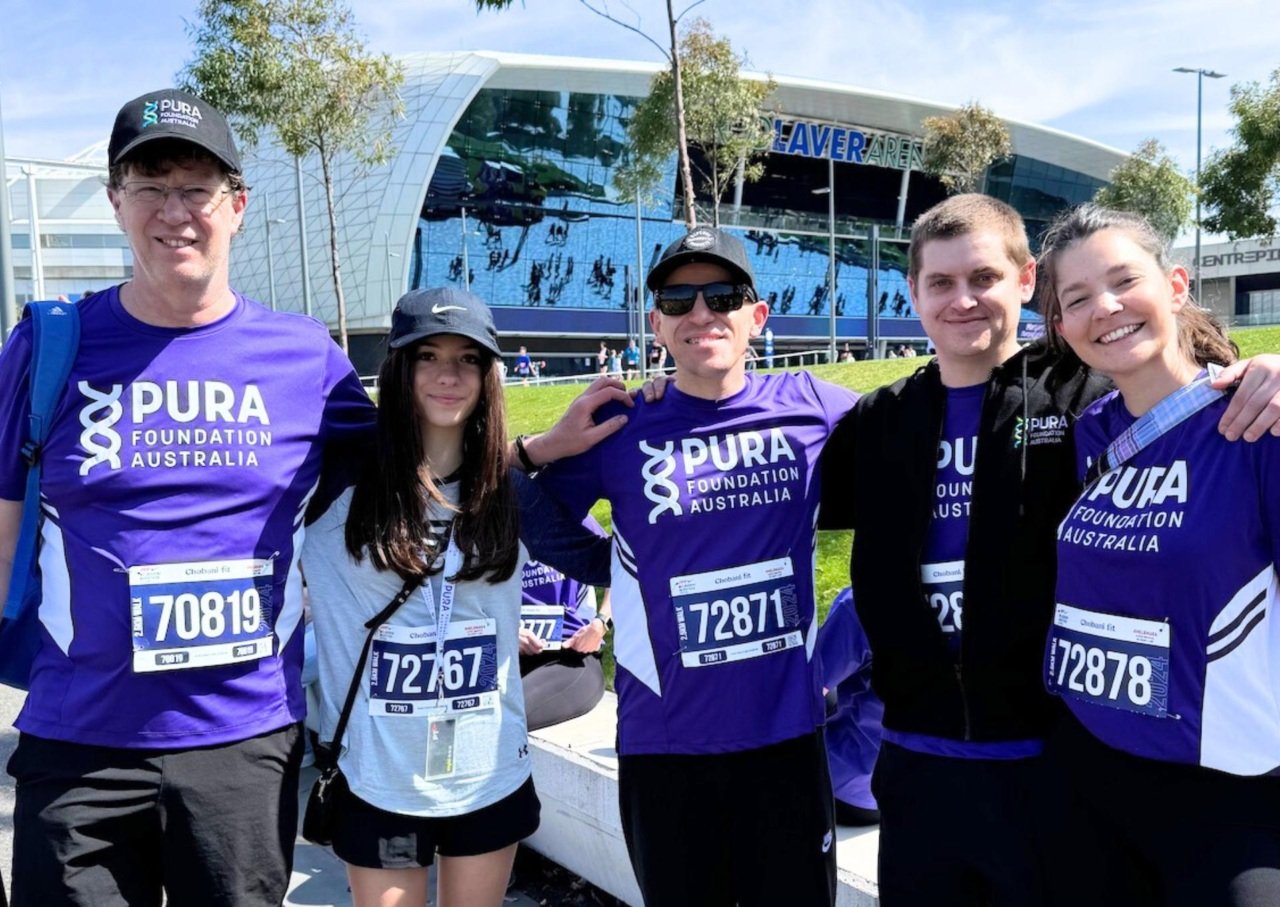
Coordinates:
(149, 115)
(657, 486)
(108, 404)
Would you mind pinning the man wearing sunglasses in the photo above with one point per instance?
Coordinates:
(723, 784)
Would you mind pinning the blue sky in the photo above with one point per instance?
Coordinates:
(1097, 68)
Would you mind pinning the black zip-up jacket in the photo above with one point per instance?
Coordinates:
(878, 478)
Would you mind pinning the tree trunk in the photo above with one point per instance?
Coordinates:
(325, 165)
(715, 189)
(682, 137)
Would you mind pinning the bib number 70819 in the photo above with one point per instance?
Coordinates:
(200, 614)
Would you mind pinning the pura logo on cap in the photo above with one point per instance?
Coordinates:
(699, 238)
(149, 117)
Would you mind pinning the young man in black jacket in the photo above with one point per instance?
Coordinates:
(954, 480)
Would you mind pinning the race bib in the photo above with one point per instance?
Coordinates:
(737, 613)
(944, 591)
(545, 622)
(410, 676)
(1109, 660)
(200, 614)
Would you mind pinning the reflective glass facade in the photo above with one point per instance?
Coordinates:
(522, 205)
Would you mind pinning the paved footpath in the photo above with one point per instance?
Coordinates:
(319, 879)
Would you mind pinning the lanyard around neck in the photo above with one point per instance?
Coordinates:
(1173, 410)
(442, 616)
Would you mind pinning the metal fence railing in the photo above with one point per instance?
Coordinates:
(799, 359)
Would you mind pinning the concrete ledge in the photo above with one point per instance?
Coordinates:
(575, 768)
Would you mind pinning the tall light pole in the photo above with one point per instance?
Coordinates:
(7, 297)
(391, 292)
(830, 192)
(271, 258)
(466, 260)
(302, 238)
(1201, 75)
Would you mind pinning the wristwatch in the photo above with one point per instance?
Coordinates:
(607, 621)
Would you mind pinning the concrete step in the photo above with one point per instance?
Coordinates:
(575, 768)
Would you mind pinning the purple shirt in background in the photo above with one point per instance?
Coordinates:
(175, 478)
(853, 732)
(714, 509)
(542, 584)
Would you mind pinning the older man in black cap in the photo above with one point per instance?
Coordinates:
(160, 743)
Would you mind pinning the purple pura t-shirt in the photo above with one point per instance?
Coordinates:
(1165, 641)
(942, 564)
(174, 482)
(714, 512)
(542, 585)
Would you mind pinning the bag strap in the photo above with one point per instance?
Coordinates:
(410, 585)
(55, 339)
(1172, 411)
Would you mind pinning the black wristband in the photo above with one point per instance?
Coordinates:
(523, 454)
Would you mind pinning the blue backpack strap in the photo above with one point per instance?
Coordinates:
(55, 338)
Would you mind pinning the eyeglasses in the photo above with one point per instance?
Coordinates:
(678, 299)
(197, 199)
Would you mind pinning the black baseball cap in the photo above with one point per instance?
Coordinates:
(704, 244)
(172, 114)
(443, 310)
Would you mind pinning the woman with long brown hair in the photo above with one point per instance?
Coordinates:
(1165, 644)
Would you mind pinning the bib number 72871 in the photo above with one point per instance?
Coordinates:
(1109, 660)
(736, 613)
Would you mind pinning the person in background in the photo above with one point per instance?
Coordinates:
(853, 713)
(562, 631)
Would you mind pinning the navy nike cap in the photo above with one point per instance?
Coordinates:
(442, 310)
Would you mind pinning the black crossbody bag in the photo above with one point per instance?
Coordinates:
(321, 813)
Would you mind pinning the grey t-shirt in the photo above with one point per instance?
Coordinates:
(407, 750)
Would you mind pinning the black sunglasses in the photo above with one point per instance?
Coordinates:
(678, 299)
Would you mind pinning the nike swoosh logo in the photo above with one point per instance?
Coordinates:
(437, 309)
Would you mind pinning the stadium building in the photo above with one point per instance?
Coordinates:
(504, 182)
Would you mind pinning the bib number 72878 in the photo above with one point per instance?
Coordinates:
(1109, 660)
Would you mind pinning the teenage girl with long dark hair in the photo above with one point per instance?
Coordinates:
(435, 755)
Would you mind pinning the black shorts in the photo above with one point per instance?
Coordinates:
(754, 828)
(105, 826)
(376, 839)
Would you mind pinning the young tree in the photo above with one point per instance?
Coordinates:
(672, 55)
(1240, 184)
(959, 147)
(723, 113)
(298, 68)
(1149, 183)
